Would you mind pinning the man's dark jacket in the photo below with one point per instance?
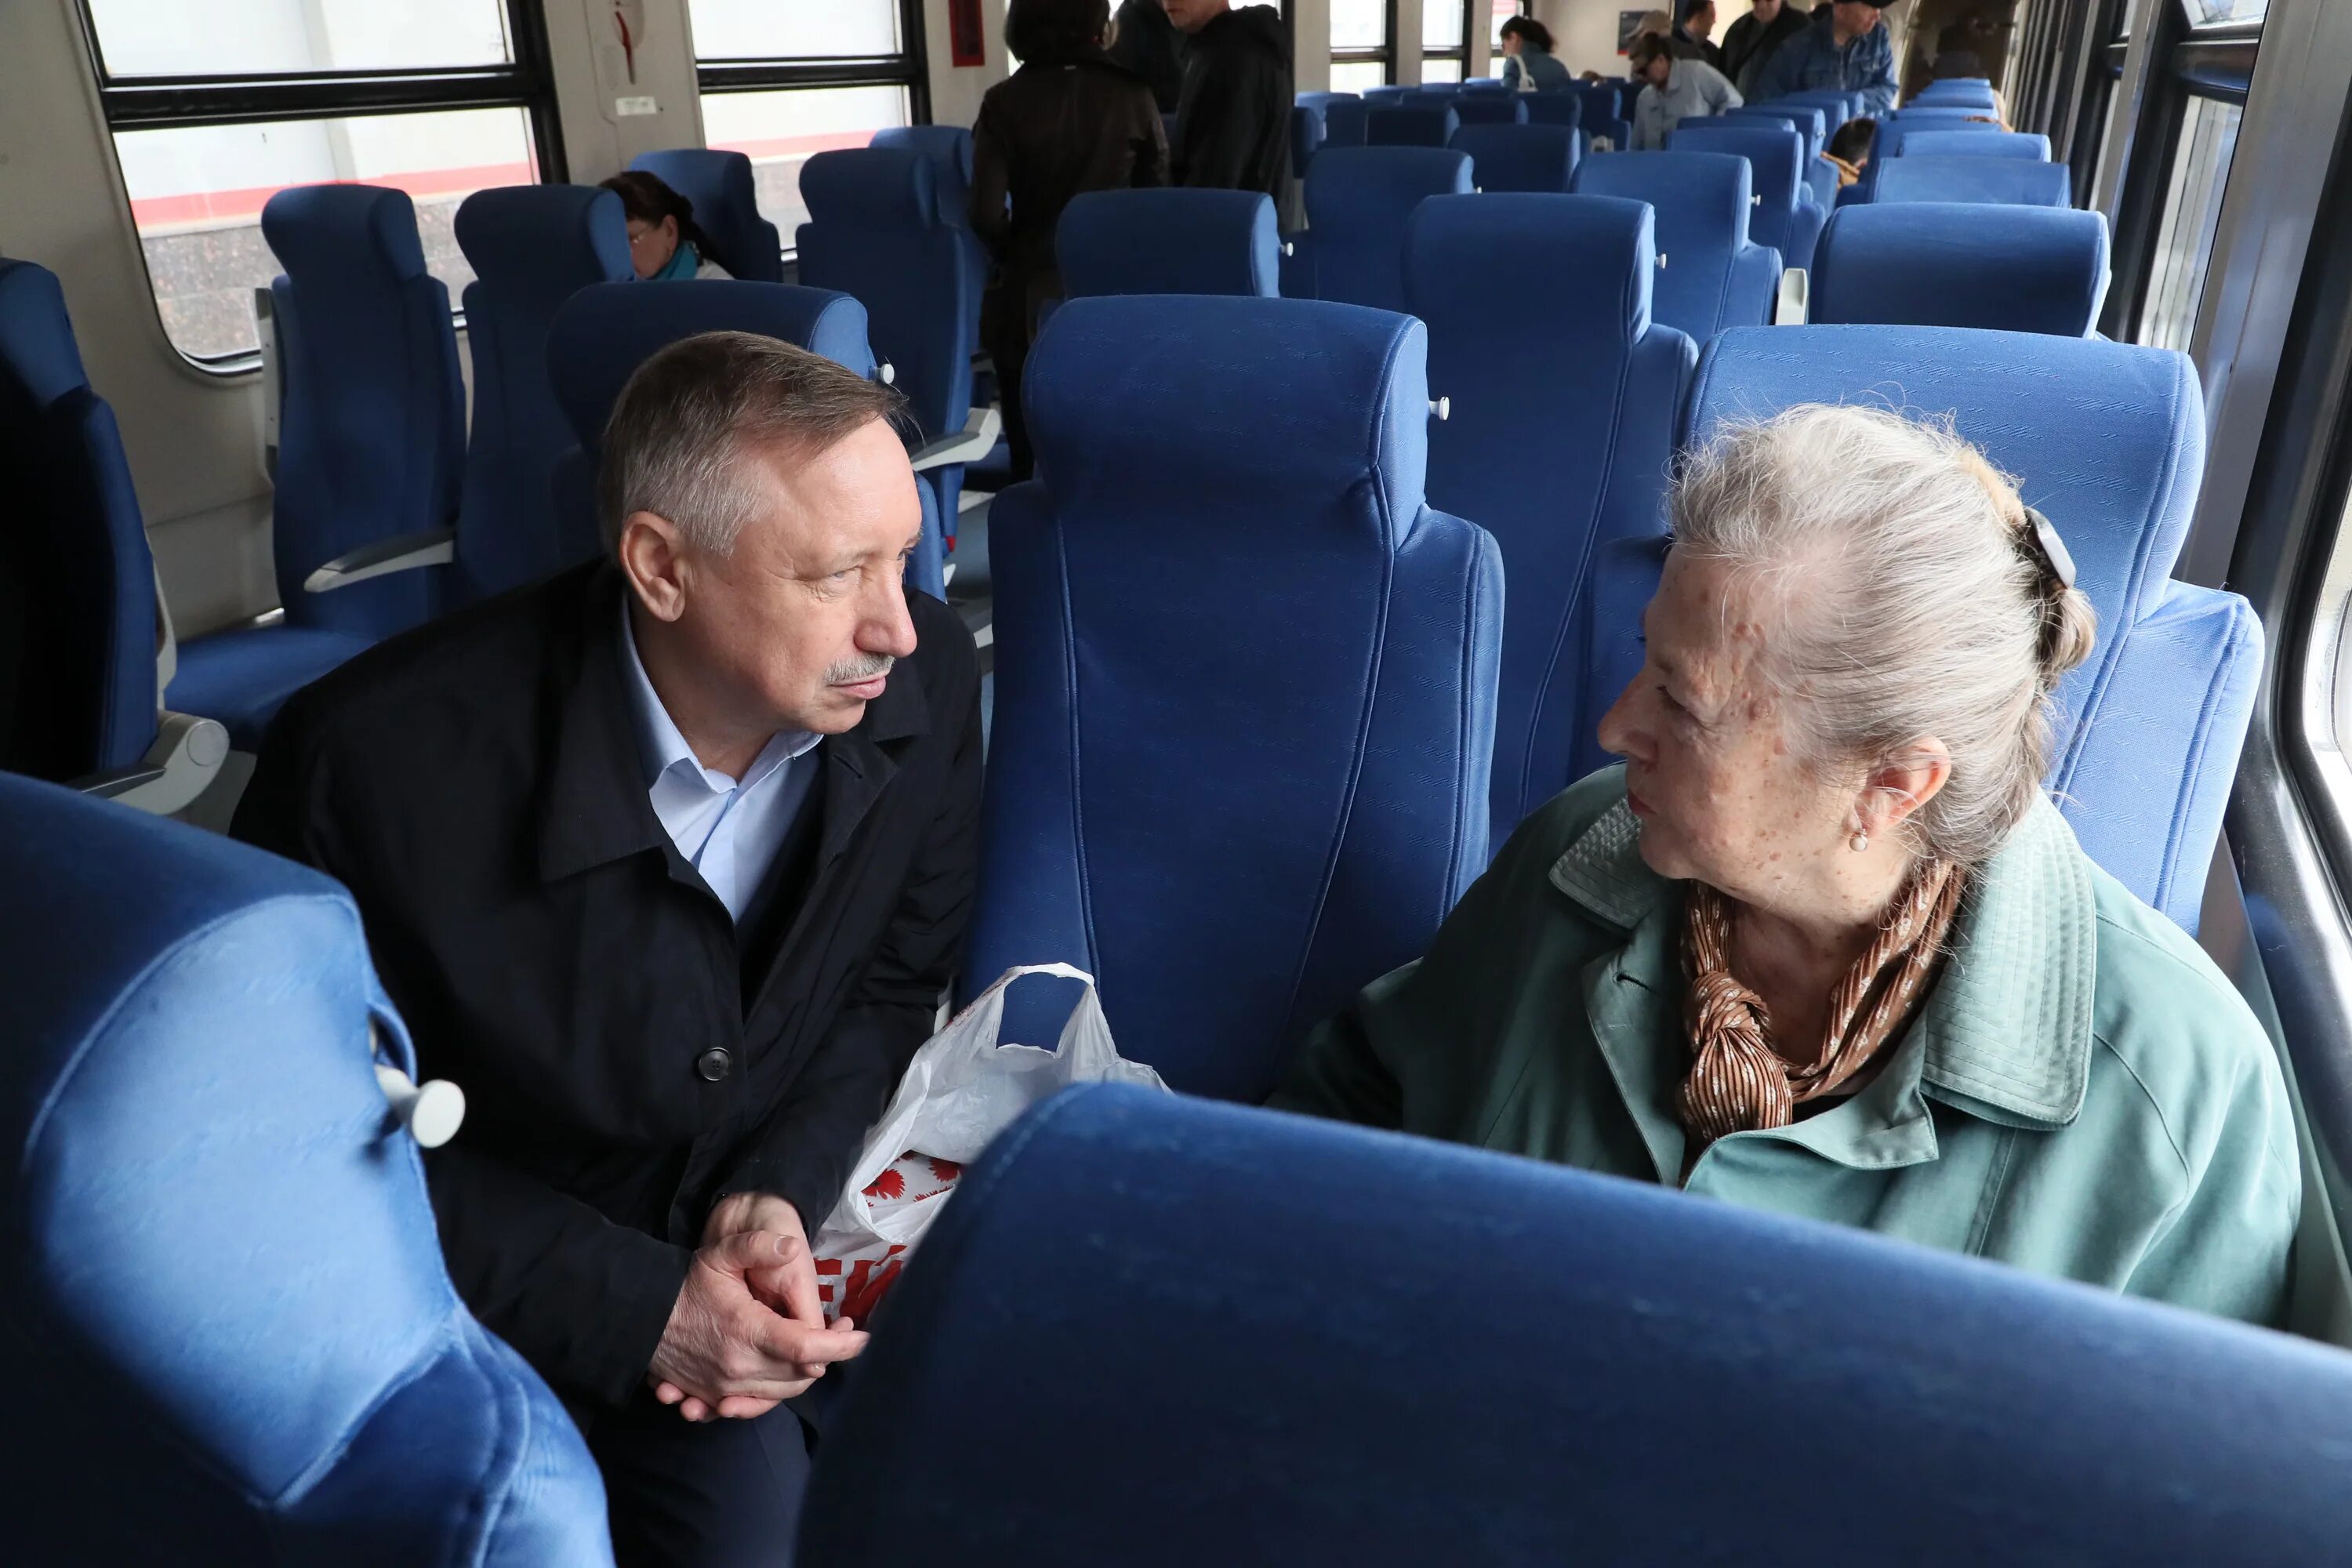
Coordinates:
(1749, 43)
(627, 1058)
(1232, 126)
(1149, 45)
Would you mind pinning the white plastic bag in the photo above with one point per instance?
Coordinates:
(961, 1089)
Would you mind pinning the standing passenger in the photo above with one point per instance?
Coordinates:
(1528, 62)
(1845, 49)
(1148, 44)
(1678, 90)
(1696, 33)
(1068, 121)
(1757, 36)
(1232, 126)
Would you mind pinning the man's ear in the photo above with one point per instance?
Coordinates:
(654, 558)
(1904, 782)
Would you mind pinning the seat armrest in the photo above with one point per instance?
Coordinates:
(181, 765)
(404, 552)
(1796, 298)
(970, 445)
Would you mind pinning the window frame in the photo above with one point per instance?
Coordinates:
(1385, 56)
(908, 68)
(245, 98)
(1459, 50)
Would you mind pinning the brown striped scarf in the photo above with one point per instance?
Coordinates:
(1737, 1082)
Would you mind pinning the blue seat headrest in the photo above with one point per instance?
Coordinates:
(1518, 158)
(1169, 241)
(604, 332)
(1975, 144)
(2019, 180)
(1411, 125)
(1696, 193)
(1383, 177)
(535, 235)
(1471, 247)
(318, 229)
(871, 185)
(1556, 109)
(1777, 154)
(2004, 268)
(1336, 399)
(37, 351)
(947, 144)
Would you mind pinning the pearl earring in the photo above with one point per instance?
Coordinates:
(1860, 841)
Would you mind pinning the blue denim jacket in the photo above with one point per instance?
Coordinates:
(1812, 62)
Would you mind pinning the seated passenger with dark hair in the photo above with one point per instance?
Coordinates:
(1849, 150)
(667, 861)
(664, 242)
(1823, 945)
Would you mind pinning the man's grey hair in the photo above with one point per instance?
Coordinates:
(682, 427)
(1904, 600)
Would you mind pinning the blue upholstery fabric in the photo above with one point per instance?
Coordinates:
(1411, 125)
(1358, 199)
(243, 676)
(1528, 158)
(1389, 94)
(372, 418)
(1174, 241)
(1837, 108)
(1322, 714)
(1895, 136)
(1205, 1332)
(1600, 103)
(606, 330)
(1491, 109)
(1343, 121)
(1559, 440)
(532, 248)
(1709, 276)
(1555, 108)
(2108, 440)
(1305, 136)
(1926, 264)
(1785, 215)
(1960, 91)
(230, 1338)
(948, 148)
(1979, 144)
(726, 202)
(875, 233)
(2016, 181)
(1804, 117)
(77, 583)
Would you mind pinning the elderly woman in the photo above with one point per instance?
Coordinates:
(1823, 945)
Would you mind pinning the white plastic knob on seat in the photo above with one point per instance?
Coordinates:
(1441, 408)
(431, 1112)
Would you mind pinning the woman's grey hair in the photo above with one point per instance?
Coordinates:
(1911, 601)
(679, 430)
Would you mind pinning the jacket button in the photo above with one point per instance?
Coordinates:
(714, 1064)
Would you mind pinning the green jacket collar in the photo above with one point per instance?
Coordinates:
(2005, 1034)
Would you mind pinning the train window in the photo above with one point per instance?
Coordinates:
(781, 83)
(1363, 44)
(1444, 39)
(2192, 208)
(215, 108)
(1503, 10)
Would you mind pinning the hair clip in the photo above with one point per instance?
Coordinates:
(2056, 560)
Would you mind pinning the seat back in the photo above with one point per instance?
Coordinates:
(606, 330)
(221, 1288)
(1979, 144)
(1207, 441)
(372, 411)
(1492, 108)
(1800, 117)
(1925, 264)
(532, 248)
(1606, 112)
(1236, 1342)
(1527, 158)
(726, 202)
(1305, 136)
(1895, 136)
(1941, 179)
(78, 692)
(1558, 439)
(948, 148)
(1358, 199)
(1343, 121)
(1411, 125)
(2108, 440)
(1175, 241)
(1785, 215)
(1554, 109)
(1956, 92)
(1709, 274)
(1389, 94)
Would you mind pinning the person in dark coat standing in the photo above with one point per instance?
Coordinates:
(1232, 125)
(1148, 44)
(1751, 40)
(1068, 121)
(667, 861)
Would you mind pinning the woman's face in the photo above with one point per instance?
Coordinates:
(1721, 796)
(1512, 43)
(651, 245)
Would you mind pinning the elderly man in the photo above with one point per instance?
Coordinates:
(1674, 90)
(1845, 49)
(665, 861)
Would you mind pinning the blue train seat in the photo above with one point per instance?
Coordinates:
(726, 207)
(949, 150)
(1411, 125)
(1923, 264)
(1976, 143)
(1173, 241)
(875, 233)
(2017, 181)
(1520, 158)
(1492, 108)
(1710, 275)
(1358, 199)
(1785, 216)
(221, 1292)
(1557, 439)
(532, 248)
(1895, 135)
(1555, 108)
(1344, 120)
(1203, 1325)
(2108, 440)
(84, 648)
(1326, 722)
